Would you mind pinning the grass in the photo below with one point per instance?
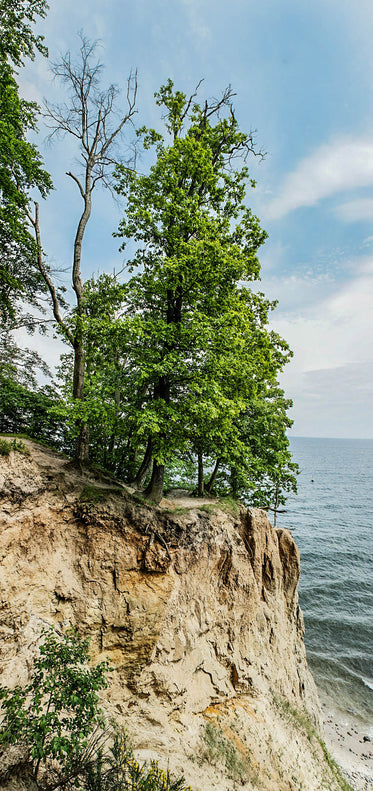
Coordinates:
(24, 435)
(177, 511)
(96, 494)
(230, 505)
(16, 444)
(217, 749)
(302, 719)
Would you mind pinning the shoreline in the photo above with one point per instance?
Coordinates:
(351, 746)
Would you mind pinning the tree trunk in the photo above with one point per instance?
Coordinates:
(210, 483)
(139, 480)
(82, 445)
(234, 484)
(154, 490)
(201, 486)
(113, 434)
(275, 510)
(82, 442)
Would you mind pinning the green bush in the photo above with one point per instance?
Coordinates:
(15, 444)
(5, 447)
(54, 715)
(57, 718)
(116, 769)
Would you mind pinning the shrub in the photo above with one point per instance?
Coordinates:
(57, 718)
(15, 444)
(54, 715)
(117, 770)
(5, 447)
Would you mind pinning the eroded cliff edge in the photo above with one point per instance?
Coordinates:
(196, 609)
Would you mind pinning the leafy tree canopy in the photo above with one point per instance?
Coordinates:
(199, 338)
(17, 37)
(21, 167)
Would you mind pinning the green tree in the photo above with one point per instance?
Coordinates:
(55, 713)
(107, 381)
(21, 167)
(199, 338)
(91, 118)
(263, 472)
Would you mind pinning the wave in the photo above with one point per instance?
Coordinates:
(331, 519)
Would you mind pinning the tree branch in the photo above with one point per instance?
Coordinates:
(45, 275)
(69, 173)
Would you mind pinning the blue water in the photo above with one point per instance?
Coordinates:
(331, 519)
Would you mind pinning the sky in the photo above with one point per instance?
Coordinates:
(303, 75)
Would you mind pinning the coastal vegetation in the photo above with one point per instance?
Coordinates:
(170, 377)
(57, 721)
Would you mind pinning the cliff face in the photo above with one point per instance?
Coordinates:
(195, 608)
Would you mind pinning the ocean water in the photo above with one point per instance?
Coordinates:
(331, 519)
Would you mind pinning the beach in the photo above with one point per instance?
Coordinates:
(331, 522)
(351, 746)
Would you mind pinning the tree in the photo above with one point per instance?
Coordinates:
(90, 116)
(263, 471)
(199, 339)
(18, 40)
(55, 713)
(106, 381)
(21, 166)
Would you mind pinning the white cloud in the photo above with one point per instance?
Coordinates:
(331, 375)
(335, 403)
(336, 329)
(332, 168)
(197, 26)
(355, 210)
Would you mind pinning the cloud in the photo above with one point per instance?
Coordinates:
(333, 329)
(330, 378)
(332, 168)
(335, 403)
(355, 210)
(197, 26)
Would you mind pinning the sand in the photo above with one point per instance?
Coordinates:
(351, 746)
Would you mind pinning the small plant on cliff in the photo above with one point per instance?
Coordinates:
(14, 444)
(116, 769)
(57, 718)
(57, 711)
(5, 447)
(219, 749)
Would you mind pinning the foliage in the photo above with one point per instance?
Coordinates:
(106, 387)
(200, 350)
(18, 40)
(218, 749)
(6, 446)
(20, 162)
(33, 412)
(54, 714)
(116, 769)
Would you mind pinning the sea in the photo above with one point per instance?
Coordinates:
(331, 519)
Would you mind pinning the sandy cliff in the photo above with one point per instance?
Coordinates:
(195, 607)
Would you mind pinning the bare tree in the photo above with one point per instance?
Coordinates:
(91, 117)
